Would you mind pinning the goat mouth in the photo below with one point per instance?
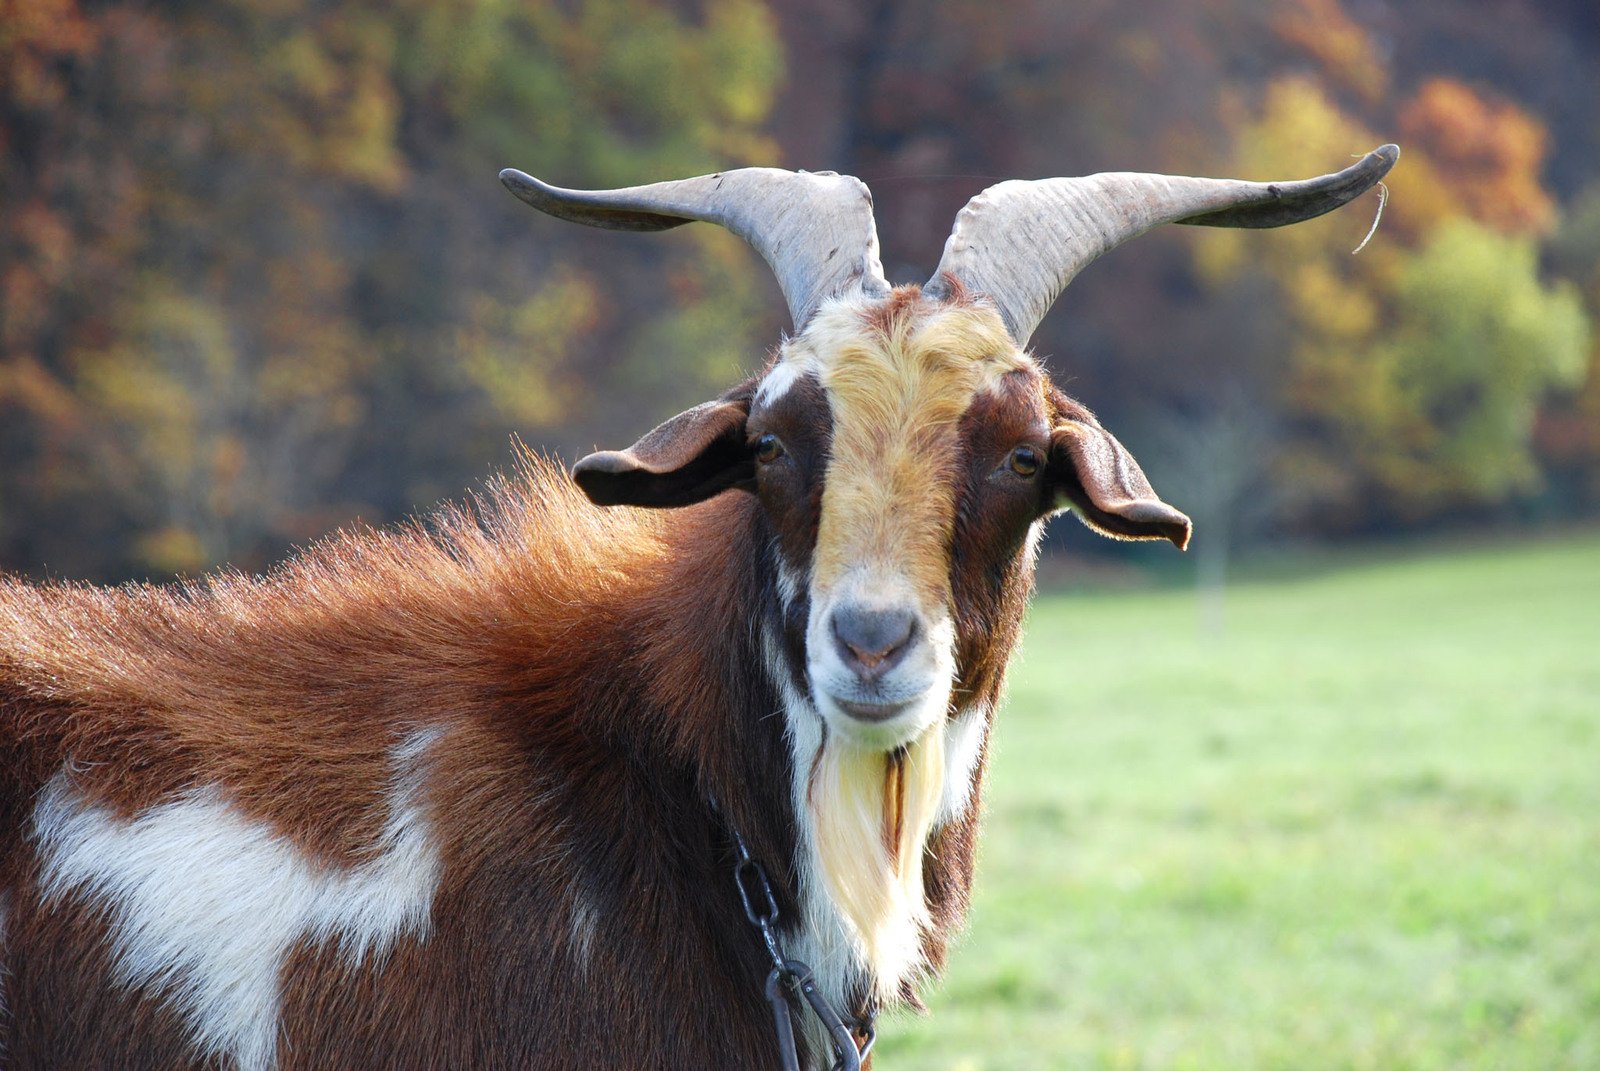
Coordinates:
(873, 712)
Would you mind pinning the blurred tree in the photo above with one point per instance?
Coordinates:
(1220, 453)
(1418, 366)
(1477, 344)
(256, 275)
(1568, 435)
(931, 102)
(1483, 157)
(1340, 47)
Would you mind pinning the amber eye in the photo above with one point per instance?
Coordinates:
(768, 448)
(1025, 461)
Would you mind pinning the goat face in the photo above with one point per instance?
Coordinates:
(903, 445)
(904, 451)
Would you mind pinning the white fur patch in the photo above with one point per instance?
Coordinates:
(789, 585)
(821, 938)
(205, 904)
(785, 374)
(963, 744)
(870, 821)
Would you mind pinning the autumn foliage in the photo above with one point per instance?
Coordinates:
(257, 278)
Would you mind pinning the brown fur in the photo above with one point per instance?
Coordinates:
(528, 630)
(597, 676)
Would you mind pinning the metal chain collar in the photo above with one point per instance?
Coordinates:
(792, 976)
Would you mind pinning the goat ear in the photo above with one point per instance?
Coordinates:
(1092, 473)
(686, 460)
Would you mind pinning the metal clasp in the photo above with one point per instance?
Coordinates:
(761, 908)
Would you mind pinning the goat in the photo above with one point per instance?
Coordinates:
(442, 796)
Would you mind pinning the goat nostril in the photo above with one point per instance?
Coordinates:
(870, 659)
(872, 638)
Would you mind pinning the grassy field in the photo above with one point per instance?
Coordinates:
(1360, 831)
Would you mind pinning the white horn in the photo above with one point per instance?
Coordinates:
(1019, 243)
(815, 229)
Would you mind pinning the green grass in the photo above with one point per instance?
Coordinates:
(1362, 830)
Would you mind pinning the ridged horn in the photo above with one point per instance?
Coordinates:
(814, 228)
(1020, 243)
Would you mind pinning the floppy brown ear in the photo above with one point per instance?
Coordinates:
(688, 459)
(1094, 474)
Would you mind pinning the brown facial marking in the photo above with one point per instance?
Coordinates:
(790, 488)
(989, 574)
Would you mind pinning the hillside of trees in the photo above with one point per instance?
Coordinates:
(258, 279)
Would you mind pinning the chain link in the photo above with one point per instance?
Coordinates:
(765, 921)
(791, 975)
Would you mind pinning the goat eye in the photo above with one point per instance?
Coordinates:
(768, 448)
(1025, 461)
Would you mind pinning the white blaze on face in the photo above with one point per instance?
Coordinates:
(898, 376)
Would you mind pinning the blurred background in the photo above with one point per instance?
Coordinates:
(258, 280)
(257, 276)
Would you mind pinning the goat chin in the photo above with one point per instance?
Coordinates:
(872, 812)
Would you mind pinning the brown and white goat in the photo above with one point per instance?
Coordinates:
(439, 798)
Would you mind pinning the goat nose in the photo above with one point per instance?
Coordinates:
(871, 641)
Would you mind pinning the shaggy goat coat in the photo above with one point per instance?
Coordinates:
(412, 781)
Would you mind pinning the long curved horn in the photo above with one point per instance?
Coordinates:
(814, 228)
(1019, 243)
